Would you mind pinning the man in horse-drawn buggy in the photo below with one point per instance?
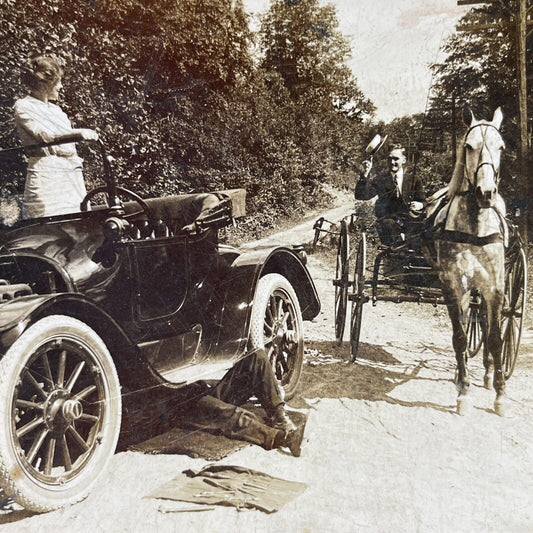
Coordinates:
(400, 196)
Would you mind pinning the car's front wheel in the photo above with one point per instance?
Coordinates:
(60, 412)
(277, 326)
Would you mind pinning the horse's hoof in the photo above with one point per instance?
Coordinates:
(487, 381)
(464, 405)
(502, 406)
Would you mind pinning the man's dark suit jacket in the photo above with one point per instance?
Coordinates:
(388, 202)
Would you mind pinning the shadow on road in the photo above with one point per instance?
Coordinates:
(327, 373)
(333, 376)
(148, 413)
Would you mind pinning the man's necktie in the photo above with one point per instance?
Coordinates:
(396, 188)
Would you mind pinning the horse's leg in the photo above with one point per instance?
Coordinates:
(460, 343)
(488, 361)
(494, 341)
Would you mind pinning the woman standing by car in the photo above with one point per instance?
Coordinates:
(54, 179)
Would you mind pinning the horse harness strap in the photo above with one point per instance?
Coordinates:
(488, 125)
(497, 173)
(460, 237)
(438, 231)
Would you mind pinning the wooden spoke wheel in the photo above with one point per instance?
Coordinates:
(60, 408)
(358, 297)
(342, 282)
(514, 307)
(276, 326)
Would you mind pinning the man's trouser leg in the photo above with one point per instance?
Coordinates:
(388, 231)
(235, 423)
(252, 376)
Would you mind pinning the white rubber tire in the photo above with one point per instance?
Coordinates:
(275, 287)
(21, 480)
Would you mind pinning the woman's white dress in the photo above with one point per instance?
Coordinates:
(54, 179)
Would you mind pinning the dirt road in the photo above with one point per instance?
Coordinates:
(384, 449)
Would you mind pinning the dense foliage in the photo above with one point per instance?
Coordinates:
(480, 73)
(184, 101)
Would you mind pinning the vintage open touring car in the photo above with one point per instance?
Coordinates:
(134, 294)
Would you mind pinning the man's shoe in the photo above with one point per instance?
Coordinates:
(280, 420)
(294, 439)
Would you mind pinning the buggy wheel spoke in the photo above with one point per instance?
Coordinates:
(283, 361)
(88, 418)
(268, 327)
(270, 314)
(279, 310)
(270, 351)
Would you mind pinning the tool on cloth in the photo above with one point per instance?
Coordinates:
(219, 485)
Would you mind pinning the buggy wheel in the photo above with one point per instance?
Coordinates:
(474, 327)
(514, 308)
(358, 297)
(60, 410)
(341, 282)
(276, 325)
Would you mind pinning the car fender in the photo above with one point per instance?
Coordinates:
(18, 314)
(241, 283)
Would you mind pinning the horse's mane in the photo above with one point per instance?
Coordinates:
(458, 171)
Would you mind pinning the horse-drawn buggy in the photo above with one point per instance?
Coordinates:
(464, 253)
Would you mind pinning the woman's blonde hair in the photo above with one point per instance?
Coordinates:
(42, 72)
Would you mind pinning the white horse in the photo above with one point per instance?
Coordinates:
(470, 237)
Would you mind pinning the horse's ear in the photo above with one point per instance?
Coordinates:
(497, 118)
(468, 115)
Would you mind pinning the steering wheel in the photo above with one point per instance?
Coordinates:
(135, 197)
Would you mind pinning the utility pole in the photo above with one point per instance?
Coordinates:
(522, 23)
(522, 103)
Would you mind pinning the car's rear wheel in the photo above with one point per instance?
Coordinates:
(60, 412)
(276, 325)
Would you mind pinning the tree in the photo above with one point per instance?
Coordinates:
(302, 46)
(301, 41)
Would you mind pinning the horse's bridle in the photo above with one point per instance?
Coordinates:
(472, 185)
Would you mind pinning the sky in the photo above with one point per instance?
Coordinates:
(393, 42)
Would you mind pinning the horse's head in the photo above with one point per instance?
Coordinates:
(483, 145)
